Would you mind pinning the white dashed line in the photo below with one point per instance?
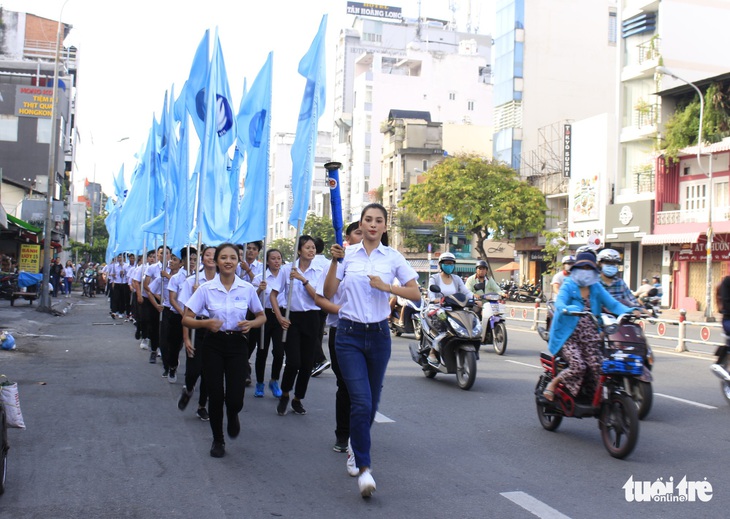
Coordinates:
(533, 505)
(523, 364)
(381, 418)
(690, 402)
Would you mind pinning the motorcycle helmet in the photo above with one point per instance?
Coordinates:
(447, 263)
(609, 256)
(569, 260)
(481, 264)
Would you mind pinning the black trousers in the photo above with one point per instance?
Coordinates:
(194, 367)
(299, 348)
(152, 325)
(172, 337)
(224, 368)
(342, 396)
(319, 356)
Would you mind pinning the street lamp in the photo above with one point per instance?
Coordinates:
(45, 302)
(708, 294)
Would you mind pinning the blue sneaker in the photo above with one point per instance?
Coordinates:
(274, 387)
(259, 393)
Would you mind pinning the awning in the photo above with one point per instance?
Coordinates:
(666, 239)
(23, 225)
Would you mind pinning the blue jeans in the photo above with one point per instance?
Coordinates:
(363, 352)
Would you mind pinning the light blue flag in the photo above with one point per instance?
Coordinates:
(111, 226)
(159, 223)
(215, 192)
(312, 67)
(120, 187)
(195, 86)
(109, 205)
(254, 131)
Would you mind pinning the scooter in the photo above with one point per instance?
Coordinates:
(494, 327)
(89, 285)
(629, 338)
(406, 319)
(453, 330)
(720, 368)
(617, 413)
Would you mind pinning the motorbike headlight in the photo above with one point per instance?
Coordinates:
(476, 327)
(457, 326)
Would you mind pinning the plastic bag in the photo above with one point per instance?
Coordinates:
(11, 403)
(7, 341)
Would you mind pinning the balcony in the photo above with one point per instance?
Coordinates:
(644, 180)
(719, 214)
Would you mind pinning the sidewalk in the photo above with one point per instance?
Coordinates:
(695, 316)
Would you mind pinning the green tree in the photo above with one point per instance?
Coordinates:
(97, 252)
(285, 245)
(485, 197)
(555, 246)
(409, 226)
(320, 227)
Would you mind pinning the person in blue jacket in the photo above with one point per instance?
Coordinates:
(578, 337)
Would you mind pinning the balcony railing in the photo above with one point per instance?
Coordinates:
(644, 181)
(646, 116)
(649, 50)
(719, 214)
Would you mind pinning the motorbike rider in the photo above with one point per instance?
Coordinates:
(643, 290)
(658, 285)
(481, 275)
(608, 263)
(578, 337)
(450, 284)
(558, 278)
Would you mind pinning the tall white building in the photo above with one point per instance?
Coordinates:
(406, 65)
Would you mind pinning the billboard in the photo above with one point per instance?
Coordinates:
(33, 101)
(374, 10)
(30, 258)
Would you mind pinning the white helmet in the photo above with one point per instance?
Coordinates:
(609, 256)
(568, 259)
(447, 256)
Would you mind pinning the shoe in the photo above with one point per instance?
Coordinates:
(259, 393)
(113, 315)
(202, 413)
(153, 357)
(218, 449)
(248, 375)
(165, 373)
(548, 395)
(172, 376)
(320, 368)
(234, 426)
(352, 469)
(159, 353)
(433, 362)
(182, 402)
(281, 406)
(366, 483)
(137, 335)
(340, 446)
(275, 389)
(297, 407)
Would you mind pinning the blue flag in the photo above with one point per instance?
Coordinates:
(254, 132)
(195, 87)
(312, 67)
(215, 194)
(120, 187)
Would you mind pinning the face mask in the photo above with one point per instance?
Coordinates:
(609, 270)
(448, 269)
(584, 278)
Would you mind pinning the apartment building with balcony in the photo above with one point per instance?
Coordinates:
(689, 38)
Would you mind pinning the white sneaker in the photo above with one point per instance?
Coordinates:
(366, 483)
(143, 344)
(352, 469)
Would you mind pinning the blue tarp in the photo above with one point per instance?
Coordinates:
(25, 279)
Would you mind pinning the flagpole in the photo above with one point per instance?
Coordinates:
(289, 292)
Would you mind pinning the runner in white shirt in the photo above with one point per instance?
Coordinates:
(363, 338)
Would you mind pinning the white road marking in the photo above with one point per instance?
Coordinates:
(686, 354)
(381, 418)
(533, 505)
(690, 402)
(523, 364)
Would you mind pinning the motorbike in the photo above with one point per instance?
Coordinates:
(652, 302)
(20, 286)
(720, 368)
(89, 285)
(406, 319)
(610, 403)
(494, 327)
(628, 337)
(453, 330)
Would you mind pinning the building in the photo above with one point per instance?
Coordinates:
(418, 65)
(27, 61)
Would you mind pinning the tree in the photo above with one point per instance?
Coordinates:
(97, 252)
(413, 241)
(485, 197)
(320, 227)
(555, 246)
(285, 245)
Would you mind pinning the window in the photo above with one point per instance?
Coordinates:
(367, 156)
(424, 166)
(9, 128)
(452, 96)
(612, 27)
(470, 105)
(695, 196)
(720, 200)
(43, 131)
(368, 94)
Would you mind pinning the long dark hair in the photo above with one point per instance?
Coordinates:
(304, 238)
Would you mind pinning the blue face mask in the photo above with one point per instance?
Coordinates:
(609, 270)
(584, 278)
(448, 269)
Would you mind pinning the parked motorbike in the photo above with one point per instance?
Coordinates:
(453, 330)
(720, 368)
(628, 337)
(406, 319)
(494, 327)
(618, 417)
(20, 286)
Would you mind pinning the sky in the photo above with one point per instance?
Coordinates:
(130, 52)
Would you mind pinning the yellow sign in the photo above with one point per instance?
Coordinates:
(30, 258)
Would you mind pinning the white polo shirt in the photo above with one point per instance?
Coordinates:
(228, 306)
(301, 301)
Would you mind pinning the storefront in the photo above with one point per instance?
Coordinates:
(689, 267)
(626, 225)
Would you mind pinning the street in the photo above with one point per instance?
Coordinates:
(104, 438)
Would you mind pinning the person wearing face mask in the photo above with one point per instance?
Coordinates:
(578, 337)
(609, 261)
(450, 284)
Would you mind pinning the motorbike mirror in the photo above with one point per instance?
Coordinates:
(479, 286)
(435, 289)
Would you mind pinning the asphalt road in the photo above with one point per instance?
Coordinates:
(104, 438)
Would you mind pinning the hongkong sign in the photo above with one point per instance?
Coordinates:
(374, 10)
(32, 101)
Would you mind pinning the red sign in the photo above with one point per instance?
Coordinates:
(661, 329)
(698, 251)
(705, 333)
